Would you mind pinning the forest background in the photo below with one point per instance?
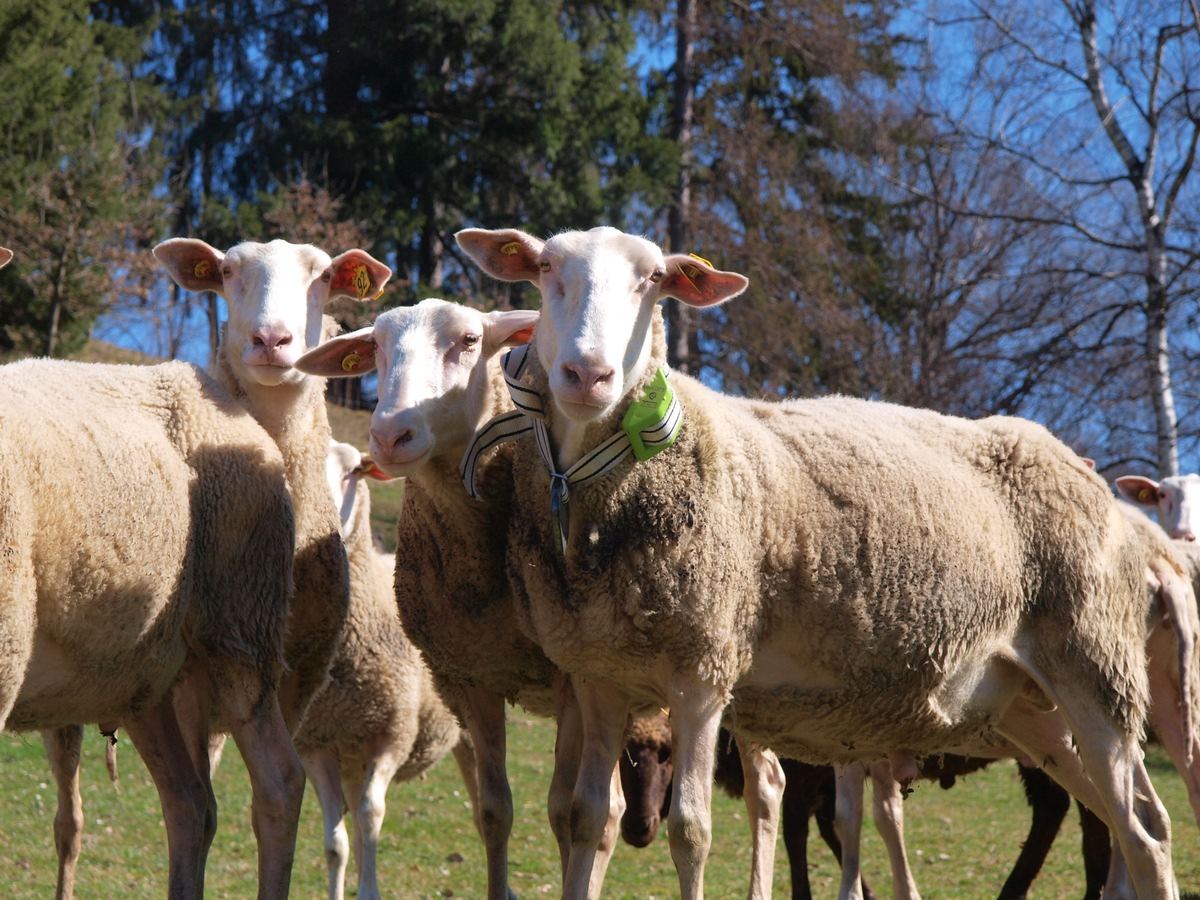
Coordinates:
(978, 207)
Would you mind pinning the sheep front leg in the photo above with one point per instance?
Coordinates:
(62, 752)
(568, 746)
(277, 788)
(603, 712)
(696, 709)
(322, 770)
(848, 816)
(368, 818)
(483, 713)
(183, 791)
(763, 795)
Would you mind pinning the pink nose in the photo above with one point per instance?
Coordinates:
(387, 442)
(270, 338)
(586, 377)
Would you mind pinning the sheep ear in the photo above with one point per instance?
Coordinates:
(1139, 490)
(357, 274)
(194, 265)
(368, 468)
(6, 256)
(506, 254)
(341, 357)
(508, 328)
(692, 280)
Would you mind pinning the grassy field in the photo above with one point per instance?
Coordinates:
(961, 842)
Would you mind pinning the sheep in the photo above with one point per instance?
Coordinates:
(861, 580)
(276, 294)
(148, 535)
(379, 719)
(437, 383)
(1176, 499)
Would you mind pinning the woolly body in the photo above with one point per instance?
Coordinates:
(100, 465)
(848, 571)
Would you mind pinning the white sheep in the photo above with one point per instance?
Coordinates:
(861, 580)
(438, 380)
(1176, 500)
(276, 294)
(148, 537)
(379, 719)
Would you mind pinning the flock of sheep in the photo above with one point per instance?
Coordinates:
(858, 585)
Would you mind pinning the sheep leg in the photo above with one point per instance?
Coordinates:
(1118, 789)
(696, 709)
(603, 712)
(1048, 804)
(464, 757)
(277, 785)
(368, 817)
(1097, 851)
(849, 816)
(62, 752)
(889, 822)
(322, 770)
(483, 712)
(568, 747)
(763, 795)
(183, 791)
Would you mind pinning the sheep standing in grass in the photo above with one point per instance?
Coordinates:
(380, 718)
(861, 580)
(276, 294)
(148, 543)
(438, 381)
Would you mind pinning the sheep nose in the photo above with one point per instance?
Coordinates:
(386, 442)
(584, 376)
(270, 338)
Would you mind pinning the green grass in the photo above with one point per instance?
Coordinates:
(961, 842)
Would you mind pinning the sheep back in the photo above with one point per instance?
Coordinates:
(151, 507)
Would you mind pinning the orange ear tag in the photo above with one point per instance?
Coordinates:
(350, 361)
(511, 248)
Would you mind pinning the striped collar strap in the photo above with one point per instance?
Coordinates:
(650, 426)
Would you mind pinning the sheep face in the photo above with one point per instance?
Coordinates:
(276, 294)
(598, 291)
(1176, 500)
(432, 360)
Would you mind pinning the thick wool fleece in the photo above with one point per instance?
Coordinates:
(455, 602)
(867, 560)
(143, 515)
(295, 416)
(379, 687)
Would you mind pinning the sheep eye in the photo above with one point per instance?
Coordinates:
(470, 339)
(657, 275)
(544, 266)
(327, 276)
(227, 271)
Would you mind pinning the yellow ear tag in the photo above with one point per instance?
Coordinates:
(701, 258)
(1145, 495)
(511, 248)
(361, 281)
(202, 269)
(350, 361)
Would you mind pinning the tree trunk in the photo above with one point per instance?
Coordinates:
(680, 320)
